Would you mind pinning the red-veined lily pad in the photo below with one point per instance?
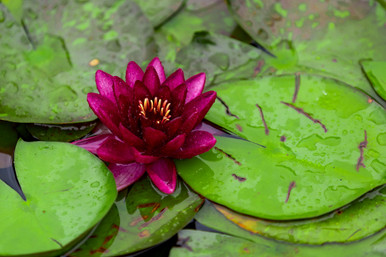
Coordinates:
(68, 191)
(375, 72)
(328, 38)
(145, 217)
(199, 243)
(323, 147)
(359, 219)
(52, 68)
(159, 11)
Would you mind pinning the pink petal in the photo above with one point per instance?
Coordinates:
(189, 123)
(121, 88)
(140, 92)
(195, 85)
(175, 79)
(173, 145)
(201, 104)
(163, 174)
(91, 144)
(126, 174)
(197, 142)
(105, 110)
(172, 126)
(156, 63)
(133, 73)
(130, 138)
(142, 158)
(153, 137)
(151, 80)
(104, 83)
(178, 100)
(116, 151)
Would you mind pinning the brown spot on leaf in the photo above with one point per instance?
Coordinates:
(119, 228)
(99, 250)
(258, 67)
(301, 111)
(291, 186)
(241, 179)
(297, 86)
(266, 130)
(144, 233)
(182, 242)
(227, 110)
(361, 146)
(239, 128)
(283, 138)
(157, 217)
(228, 155)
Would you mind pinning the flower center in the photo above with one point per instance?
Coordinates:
(155, 109)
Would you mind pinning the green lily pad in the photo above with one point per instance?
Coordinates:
(221, 58)
(359, 219)
(316, 35)
(63, 133)
(159, 11)
(375, 72)
(52, 68)
(68, 191)
(145, 217)
(209, 244)
(324, 147)
(197, 16)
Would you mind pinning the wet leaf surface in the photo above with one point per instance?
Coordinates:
(145, 217)
(200, 243)
(323, 147)
(62, 133)
(75, 190)
(314, 36)
(52, 67)
(159, 11)
(359, 219)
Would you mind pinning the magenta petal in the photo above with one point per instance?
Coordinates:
(173, 145)
(153, 137)
(104, 83)
(133, 73)
(91, 144)
(201, 104)
(116, 151)
(195, 85)
(130, 138)
(175, 79)
(172, 126)
(197, 142)
(126, 174)
(163, 174)
(156, 63)
(189, 123)
(121, 88)
(151, 80)
(105, 110)
(146, 159)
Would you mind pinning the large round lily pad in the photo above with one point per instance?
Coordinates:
(375, 72)
(145, 217)
(323, 147)
(359, 219)
(323, 37)
(46, 73)
(68, 191)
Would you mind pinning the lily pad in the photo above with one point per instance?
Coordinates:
(159, 11)
(63, 133)
(52, 67)
(68, 191)
(145, 217)
(209, 244)
(221, 58)
(316, 35)
(323, 147)
(375, 72)
(359, 219)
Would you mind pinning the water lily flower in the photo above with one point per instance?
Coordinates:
(152, 119)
